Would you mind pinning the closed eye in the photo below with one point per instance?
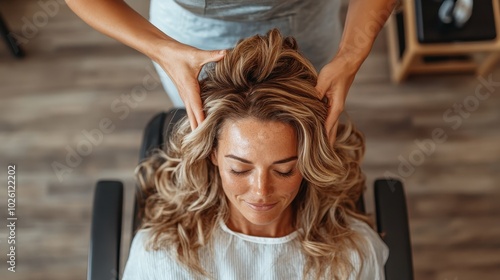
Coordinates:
(286, 174)
(239, 173)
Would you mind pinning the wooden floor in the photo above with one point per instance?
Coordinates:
(73, 78)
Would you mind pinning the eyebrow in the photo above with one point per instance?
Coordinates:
(249, 162)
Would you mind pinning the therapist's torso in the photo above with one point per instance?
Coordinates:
(220, 24)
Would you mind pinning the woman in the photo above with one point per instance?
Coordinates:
(183, 35)
(257, 191)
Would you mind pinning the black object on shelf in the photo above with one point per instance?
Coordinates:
(479, 27)
(11, 42)
(400, 23)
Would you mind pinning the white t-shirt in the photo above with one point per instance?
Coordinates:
(239, 256)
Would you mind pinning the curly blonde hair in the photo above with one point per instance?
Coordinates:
(267, 78)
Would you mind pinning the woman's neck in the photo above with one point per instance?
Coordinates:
(282, 226)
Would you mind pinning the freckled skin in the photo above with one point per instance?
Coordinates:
(261, 194)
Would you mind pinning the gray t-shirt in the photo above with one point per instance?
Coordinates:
(220, 24)
(242, 10)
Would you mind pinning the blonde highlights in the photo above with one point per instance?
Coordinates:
(263, 77)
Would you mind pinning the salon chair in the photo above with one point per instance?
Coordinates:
(105, 240)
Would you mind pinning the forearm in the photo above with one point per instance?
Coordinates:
(119, 21)
(365, 19)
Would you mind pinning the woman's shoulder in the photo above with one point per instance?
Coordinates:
(146, 263)
(139, 259)
(366, 231)
(140, 242)
(375, 251)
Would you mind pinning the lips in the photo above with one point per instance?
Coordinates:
(261, 206)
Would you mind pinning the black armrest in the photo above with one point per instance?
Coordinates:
(105, 236)
(392, 223)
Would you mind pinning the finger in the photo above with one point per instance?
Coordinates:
(191, 117)
(213, 56)
(197, 109)
(322, 86)
(195, 103)
(194, 98)
(334, 111)
(194, 109)
(185, 94)
(190, 95)
(332, 136)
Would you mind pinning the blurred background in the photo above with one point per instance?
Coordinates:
(438, 133)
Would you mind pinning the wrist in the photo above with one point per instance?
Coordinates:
(155, 44)
(351, 58)
(349, 62)
(158, 46)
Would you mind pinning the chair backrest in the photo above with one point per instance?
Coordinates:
(155, 135)
(390, 202)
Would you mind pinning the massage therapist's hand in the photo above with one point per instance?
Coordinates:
(183, 64)
(334, 81)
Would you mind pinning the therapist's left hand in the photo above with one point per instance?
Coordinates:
(334, 81)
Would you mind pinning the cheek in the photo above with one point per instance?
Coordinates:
(233, 184)
(294, 186)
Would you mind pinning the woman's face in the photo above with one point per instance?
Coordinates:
(257, 163)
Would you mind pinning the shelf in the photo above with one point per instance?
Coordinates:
(408, 55)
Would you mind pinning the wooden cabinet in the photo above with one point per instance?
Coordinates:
(409, 54)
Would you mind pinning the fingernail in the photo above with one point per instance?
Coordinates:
(222, 52)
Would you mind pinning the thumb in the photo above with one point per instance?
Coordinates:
(322, 86)
(213, 56)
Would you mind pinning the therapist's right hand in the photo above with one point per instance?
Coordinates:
(183, 64)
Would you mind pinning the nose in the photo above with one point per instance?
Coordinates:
(261, 184)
